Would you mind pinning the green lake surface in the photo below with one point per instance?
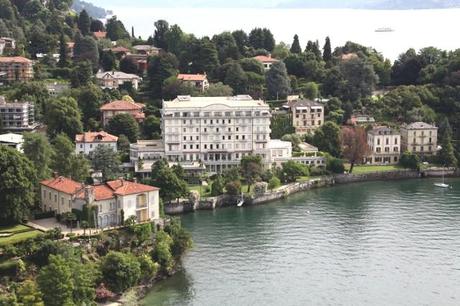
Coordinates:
(376, 243)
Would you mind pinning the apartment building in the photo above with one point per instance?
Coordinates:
(17, 116)
(143, 154)
(419, 138)
(215, 131)
(306, 115)
(385, 146)
(16, 69)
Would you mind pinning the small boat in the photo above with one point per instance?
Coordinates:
(384, 30)
(241, 202)
(443, 184)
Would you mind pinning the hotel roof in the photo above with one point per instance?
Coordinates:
(201, 102)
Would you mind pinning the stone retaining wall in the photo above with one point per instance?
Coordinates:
(284, 191)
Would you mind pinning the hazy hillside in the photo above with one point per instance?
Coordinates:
(368, 4)
(93, 11)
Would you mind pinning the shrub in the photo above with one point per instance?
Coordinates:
(120, 271)
(409, 160)
(149, 268)
(274, 183)
(335, 165)
(233, 188)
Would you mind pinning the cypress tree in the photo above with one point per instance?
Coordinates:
(327, 51)
(84, 23)
(447, 154)
(62, 51)
(295, 48)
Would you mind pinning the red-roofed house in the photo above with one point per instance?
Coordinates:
(16, 68)
(116, 200)
(87, 142)
(113, 108)
(200, 81)
(100, 35)
(267, 61)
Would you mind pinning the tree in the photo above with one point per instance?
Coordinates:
(171, 186)
(162, 251)
(335, 165)
(354, 144)
(447, 153)
(38, 150)
(17, 179)
(181, 238)
(160, 68)
(233, 187)
(409, 160)
(201, 57)
(116, 30)
(217, 187)
(295, 48)
(226, 47)
(278, 83)
(55, 282)
(84, 281)
(84, 23)
(127, 65)
(252, 65)
(406, 70)
(85, 49)
(251, 168)
(81, 74)
(281, 51)
(311, 90)
(28, 294)
(124, 124)
(64, 150)
(120, 271)
(327, 139)
(262, 39)
(218, 90)
(159, 38)
(291, 170)
(327, 51)
(236, 78)
(106, 160)
(63, 60)
(360, 79)
(63, 116)
(241, 40)
(89, 100)
(148, 267)
(96, 26)
(175, 39)
(152, 127)
(109, 61)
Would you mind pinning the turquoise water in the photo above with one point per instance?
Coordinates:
(379, 243)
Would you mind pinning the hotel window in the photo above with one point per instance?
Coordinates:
(55, 198)
(396, 141)
(185, 147)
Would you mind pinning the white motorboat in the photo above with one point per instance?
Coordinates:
(443, 184)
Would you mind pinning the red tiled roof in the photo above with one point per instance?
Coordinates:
(266, 59)
(103, 192)
(192, 77)
(348, 56)
(120, 49)
(122, 105)
(62, 184)
(14, 59)
(122, 187)
(100, 34)
(95, 137)
(70, 44)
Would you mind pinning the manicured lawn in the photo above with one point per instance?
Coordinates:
(201, 190)
(368, 169)
(19, 233)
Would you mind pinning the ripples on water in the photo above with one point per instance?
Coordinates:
(382, 243)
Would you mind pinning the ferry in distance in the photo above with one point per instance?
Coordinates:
(384, 30)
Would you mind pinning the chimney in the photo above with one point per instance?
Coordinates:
(55, 174)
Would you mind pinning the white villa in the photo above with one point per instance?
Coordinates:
(420, 138)
(385, 146)
(113, 79)
(87, 142)
(12, 140)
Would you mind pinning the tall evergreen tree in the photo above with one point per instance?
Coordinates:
(159, 37)
(39, 151)
(63, 61)
(295, 48)
(327, 51)
(447, 153)
(278, 82)
(84, 23)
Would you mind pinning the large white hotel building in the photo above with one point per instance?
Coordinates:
(215, 131)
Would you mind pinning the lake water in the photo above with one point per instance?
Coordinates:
(413, 28)
(379, 243)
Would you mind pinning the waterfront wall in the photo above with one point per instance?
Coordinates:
(212, 203)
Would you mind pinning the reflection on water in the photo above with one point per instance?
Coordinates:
(379, 243)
